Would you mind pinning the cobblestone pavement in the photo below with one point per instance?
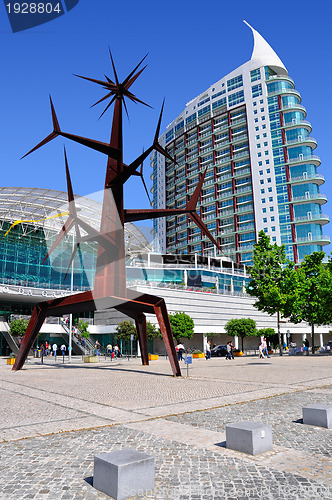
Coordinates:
(55, 418)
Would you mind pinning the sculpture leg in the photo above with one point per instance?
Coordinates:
(35, 324)
(140, 321)
(142, 337)
(166, 331)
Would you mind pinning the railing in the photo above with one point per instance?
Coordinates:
(311, 239)
(313, 217)
(318, 196)
(301, 139)
(189, 289)
(304, 158)
(306, 177)
(298, 123)
(284, 91)
(293, 106)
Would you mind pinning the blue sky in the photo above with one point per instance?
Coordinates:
(191, 45)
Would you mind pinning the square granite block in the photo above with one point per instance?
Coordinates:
(249, 437)
(320, 415)
(124, 473)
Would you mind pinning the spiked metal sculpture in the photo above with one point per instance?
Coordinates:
(110, 290)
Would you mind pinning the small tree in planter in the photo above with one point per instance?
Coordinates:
(244, 327)
(18, 327)
(83, 329)
(266, 332)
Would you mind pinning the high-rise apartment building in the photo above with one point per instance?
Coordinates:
(249, 132)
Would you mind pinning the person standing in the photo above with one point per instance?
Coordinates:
(180, 350)
(54, 349)
(306, 347)
(208, 350)
(264, 347)
(63, 350)
(97, 347)
(109, 349)
(116, 351)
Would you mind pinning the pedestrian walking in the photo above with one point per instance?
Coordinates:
(54, 349)
(97, 347)
(229, 348)
(264, 347)
(208, 350)
(109, 350)
(261, 354)
(180, 350)
(116, 351)
(306, 347)
(63, 350)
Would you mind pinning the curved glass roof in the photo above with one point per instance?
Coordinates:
(35, 206)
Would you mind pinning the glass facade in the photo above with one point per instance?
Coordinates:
(22, 253)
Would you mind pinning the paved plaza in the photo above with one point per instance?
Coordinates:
(55, 417)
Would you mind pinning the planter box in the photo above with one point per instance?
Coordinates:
(153, 357)
(11, 361)
(91, 359)
(238, 353)
(198, 355)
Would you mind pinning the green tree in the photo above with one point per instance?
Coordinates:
(265, 332)
(182, 325)
(272, 280)
(82, 327)
(18, 327)
(313, 304)
(125, 329)
(243, 327)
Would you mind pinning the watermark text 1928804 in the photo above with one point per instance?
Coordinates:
(23, 15)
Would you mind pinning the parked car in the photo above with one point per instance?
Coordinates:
(219, 350)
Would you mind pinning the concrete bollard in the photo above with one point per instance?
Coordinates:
(124, 473)
(249, 437)
(319, 415)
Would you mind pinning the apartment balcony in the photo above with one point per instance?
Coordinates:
(280, 77)
(302, 179)
(241, 155)
(310, 141)
(317, 198)
(243, 209)
(245, 189)
(206, 217)
(305, 219)
(309, 240)
(243, 172)
(298, 124)
(219, 127)
(220, 161)
(314, 159)
(246, 227)
(293, 106)
(221, 196)
(226, 230)
(223, 177)
(205, 134)
(220, 143)
(242, 137)
(236, 121)
(285, 92)
(223, 213)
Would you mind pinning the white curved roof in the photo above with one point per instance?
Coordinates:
(264, 55)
